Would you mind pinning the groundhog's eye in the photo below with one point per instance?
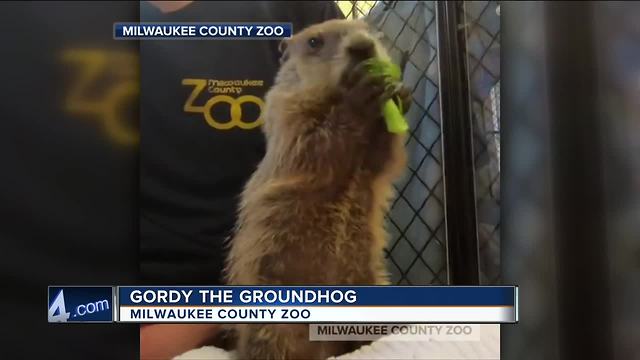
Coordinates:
(315, 42)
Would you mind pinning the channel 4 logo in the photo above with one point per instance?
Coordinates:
(81, 304)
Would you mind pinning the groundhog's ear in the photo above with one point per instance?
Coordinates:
(283, 47)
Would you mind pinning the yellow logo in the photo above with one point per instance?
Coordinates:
(113, 76)
(235, 103)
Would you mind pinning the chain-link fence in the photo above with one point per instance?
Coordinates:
(417, 251)
(482, 33)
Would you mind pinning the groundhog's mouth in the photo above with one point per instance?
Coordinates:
(359, 51)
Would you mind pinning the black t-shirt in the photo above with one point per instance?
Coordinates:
(200, 133)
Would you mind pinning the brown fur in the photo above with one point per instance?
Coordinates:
(312, 213)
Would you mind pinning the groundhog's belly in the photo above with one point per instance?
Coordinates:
(326, 243)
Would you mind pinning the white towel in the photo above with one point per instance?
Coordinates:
(487, 348)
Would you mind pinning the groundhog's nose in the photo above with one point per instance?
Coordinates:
(361, 49)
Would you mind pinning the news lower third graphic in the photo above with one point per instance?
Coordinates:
(201, 31)
(287, 304)
(327, 304)
(81, 304)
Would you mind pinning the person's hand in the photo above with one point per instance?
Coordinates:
(170, 6)
(165, 341)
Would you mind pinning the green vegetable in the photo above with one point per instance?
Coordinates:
(396, 123)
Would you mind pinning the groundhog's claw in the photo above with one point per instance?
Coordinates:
(404, 93)
(366, 93)
(350, 78)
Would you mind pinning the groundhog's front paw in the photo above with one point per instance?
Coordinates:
(403, 94)
(365, 93)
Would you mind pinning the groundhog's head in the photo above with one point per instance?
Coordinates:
(320, 54)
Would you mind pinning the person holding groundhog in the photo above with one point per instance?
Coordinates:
(195, 158)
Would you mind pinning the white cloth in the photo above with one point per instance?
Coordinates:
(487, 348)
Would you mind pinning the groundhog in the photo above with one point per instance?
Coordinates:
(313, 211)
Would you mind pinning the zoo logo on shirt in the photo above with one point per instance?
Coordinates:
(104, 87)
(225, 92)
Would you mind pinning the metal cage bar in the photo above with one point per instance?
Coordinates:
(459, 171)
